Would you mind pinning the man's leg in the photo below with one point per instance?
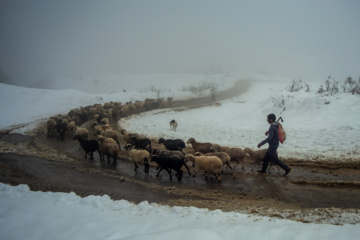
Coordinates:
(265, 162)
(275, 159)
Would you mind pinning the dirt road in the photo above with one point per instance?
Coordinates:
(46, 164)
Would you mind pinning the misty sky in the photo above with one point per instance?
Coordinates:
(299, 39)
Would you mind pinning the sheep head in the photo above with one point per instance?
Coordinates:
(248, 150)
(215, 148)
(154, 158)
(190, 141)
(190, 158)
(101, 138)
(128, 146)
(76, 137)
(198, 154)
(155, 151)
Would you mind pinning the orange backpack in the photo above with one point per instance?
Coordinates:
(281, 131)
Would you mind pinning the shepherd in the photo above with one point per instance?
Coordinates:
(273, 141)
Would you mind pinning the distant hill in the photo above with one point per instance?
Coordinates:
(4, 78)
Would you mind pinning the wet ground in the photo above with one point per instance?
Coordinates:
(47, 164)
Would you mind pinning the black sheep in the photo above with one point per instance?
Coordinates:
(173, 144)
(61, 128)
(141, 143)
(170, 162)
(89, 146)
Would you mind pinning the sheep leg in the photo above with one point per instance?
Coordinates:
(187, 169)
(218, 175)
(237, 163)
(169, 171)
(228, 164)
(147, 166)
(115, 159)
(136, 166)
(100, 155)
(118, 143)
(91, 156)
(161, 168)
(206, 176)
(180, 175)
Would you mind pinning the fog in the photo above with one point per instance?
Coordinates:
(299, 39)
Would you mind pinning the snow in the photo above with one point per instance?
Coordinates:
(318, 127)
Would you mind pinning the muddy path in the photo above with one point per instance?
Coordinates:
(47, 164)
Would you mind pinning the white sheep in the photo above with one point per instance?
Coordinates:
(164, 152)
(258, 157)
(109, 133)
(139, 156)
(207, 164)
(71, 128)
(98, 129)
(104, 121)
(83, 132)
(225, 158)
(236, 154)
(93, 124)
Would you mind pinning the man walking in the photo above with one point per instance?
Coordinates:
(273, 141)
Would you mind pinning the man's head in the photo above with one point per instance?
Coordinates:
(271, 118)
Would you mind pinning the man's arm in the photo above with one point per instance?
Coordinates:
(270, 136)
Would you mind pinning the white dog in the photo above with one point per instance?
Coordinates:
(173, 125)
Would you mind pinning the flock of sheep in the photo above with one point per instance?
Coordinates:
(98, 136)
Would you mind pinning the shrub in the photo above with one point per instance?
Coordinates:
(201, 88)
(298, 85)
(351, 86)
(332, 86)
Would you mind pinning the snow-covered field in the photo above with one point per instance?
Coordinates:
(317, 126)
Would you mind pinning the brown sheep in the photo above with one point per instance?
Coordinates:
(236, 154)
(105, 121)
(51, 126)
(108, 148)
(124, 111)
(199, 147)
(139, 106)
(258, 157)
(115, 114)
(169, 101)
(132, 108)
(129, 136)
